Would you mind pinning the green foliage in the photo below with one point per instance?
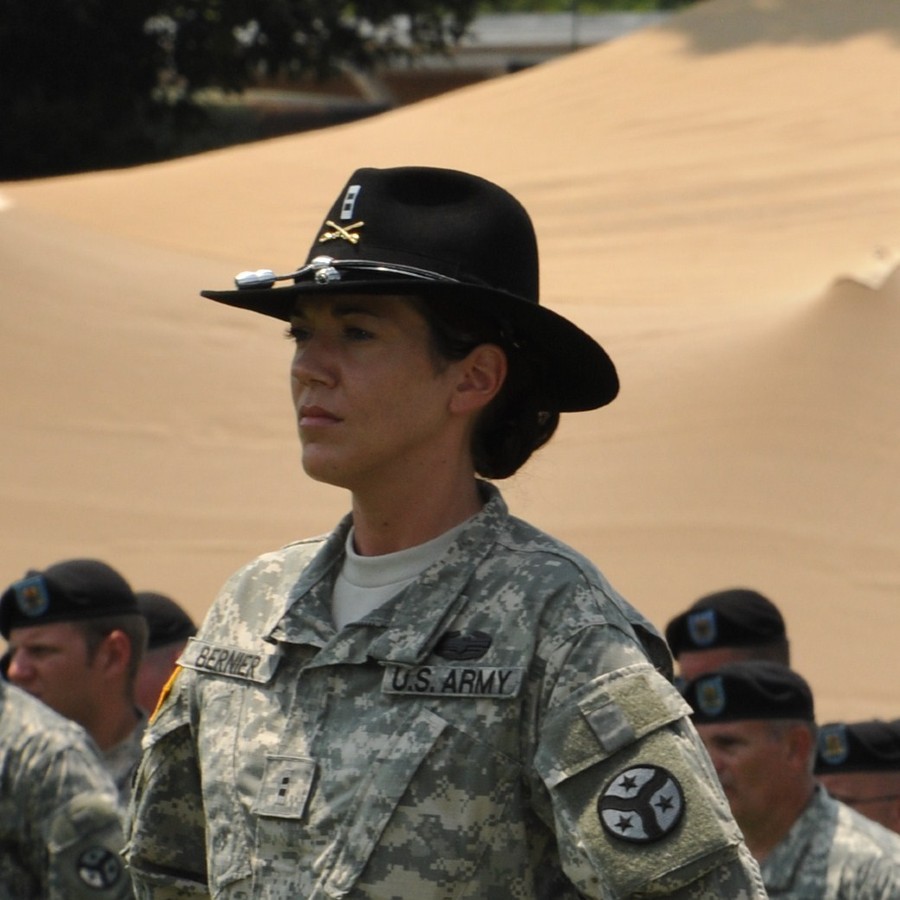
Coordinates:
(92, 84)
(87, 84)
(582, 6)
(76, 76)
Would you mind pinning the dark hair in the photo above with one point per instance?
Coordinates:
(524, 415)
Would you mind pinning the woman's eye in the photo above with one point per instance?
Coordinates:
(357, 334)
(297, 333)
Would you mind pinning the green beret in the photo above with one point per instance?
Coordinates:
(749, 690)
(738, 617)
(68, 591)
(870, 746)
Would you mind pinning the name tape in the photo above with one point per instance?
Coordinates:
(453, 681)
(234, 662)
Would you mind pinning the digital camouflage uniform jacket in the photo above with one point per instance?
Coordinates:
(60, 831)
(834, 853)
(122, 760)
(493, 731)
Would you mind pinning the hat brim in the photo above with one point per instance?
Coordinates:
(584, 376)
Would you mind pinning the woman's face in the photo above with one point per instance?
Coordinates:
(371, 399)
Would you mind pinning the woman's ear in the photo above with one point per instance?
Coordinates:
(481, 375)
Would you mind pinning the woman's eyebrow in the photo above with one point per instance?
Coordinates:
(355, 307)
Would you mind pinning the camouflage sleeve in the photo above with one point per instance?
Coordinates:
(166, 847)
(629, 790)
(84, 839)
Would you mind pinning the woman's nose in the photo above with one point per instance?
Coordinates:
(313, 362)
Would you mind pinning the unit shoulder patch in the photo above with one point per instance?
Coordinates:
(99, 868)
(642, 804)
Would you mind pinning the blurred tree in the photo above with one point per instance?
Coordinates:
(75, 76)
(585, 6)
(231, 44)
(87, 84)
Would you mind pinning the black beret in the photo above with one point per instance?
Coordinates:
(738, 617)
(167, 622)
(870, 746)
(749, 690)
(65, 592)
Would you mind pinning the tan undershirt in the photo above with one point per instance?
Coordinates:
(365, 582)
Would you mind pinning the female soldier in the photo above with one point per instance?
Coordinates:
(437, 700)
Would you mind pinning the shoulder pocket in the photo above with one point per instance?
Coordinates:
(635, 799)
(605, 716)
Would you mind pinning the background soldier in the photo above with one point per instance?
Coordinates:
(60, 833)
(727, 626)
(859, 764)
(169, 628)
(757, 721)
(76, 637)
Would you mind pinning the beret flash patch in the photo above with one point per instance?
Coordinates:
(834, 747)
(31, 596)
(641, 805)
(702, 627)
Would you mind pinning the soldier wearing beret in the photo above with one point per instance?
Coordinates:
(76, 637)
(60, 828)
(437, 700)
(727, 626)
(859, 764)
(169, 628)
(757, 720)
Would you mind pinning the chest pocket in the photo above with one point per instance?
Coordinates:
(376, 801)
(230, 687)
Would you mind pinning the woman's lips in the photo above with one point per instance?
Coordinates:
(317, 415)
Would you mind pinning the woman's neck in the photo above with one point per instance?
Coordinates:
(407, 517)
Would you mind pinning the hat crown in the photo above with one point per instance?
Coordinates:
(439, 235)
(452, 223)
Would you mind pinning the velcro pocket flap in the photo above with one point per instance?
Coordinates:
(605, 716)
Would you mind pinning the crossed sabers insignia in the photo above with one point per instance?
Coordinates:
(349, 233)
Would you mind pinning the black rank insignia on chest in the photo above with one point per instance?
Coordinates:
(463, 645)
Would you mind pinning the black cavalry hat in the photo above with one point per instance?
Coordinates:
(439, 233)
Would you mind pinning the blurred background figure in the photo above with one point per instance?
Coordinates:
(757, 720)
(859, 764)
(727, 626)
(76, 638)
(60, 832)
(169, 628)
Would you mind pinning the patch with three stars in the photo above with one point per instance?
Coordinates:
(641, 804)
(99, 868)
